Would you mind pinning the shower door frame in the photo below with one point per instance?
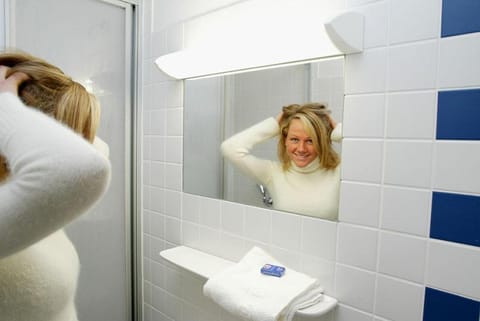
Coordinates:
(133, 226)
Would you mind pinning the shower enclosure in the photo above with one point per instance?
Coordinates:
(93, 41)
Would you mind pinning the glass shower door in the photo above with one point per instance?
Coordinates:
(91, 40)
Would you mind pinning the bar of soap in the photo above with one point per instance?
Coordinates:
(274, 270)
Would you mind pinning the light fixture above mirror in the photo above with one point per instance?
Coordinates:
(270, 42)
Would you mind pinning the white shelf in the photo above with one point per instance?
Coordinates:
(207, 265)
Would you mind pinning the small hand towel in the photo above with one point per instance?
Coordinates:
(243, 291)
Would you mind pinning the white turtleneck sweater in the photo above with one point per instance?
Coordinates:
(310, 190)
(55, 175)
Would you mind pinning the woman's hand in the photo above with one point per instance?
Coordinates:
(11, 83)
(332, 121)
(279, 118)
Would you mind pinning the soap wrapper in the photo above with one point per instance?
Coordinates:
(274, 270)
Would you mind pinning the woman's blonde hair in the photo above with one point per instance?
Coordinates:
(54, 93)
(316, 121)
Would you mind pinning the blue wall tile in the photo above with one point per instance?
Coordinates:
(459, 114)
(460, 17)
(443, 306)
(455, 218)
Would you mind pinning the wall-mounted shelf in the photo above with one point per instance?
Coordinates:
(207, 265)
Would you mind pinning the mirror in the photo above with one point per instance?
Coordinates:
(218, 107)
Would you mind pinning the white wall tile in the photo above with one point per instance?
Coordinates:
(322, 270)
(376, 19)
(156, 246)
(158, 298)
(158, 273)
(174, 38)
(190, 207)
(412, 20)
(456, 166)
(174, 95)
(353, 3)
(173, 230)
(291, 259)
(147, 250)
(173, 203)
(173, 177)
(173, 281)
(147, 16)
(190, 234)
(454, 268)
(157, 148)
(359, 203)
(408, 163)
(157, 199)
(210, 212)
(146, 221)
(412, 66)
(319, 238)
(233, 247)
(174, 122)
(459, 65)
(158, 44)
(411, 115)
(398, 300)
(357, 246)
(157, 172)
(364, 116)
(258, 224)
(346, 313)
(166, 13)
(286, 230)
(146, 123)
(366, 71)
(157, 225)
(147, 97)
(157, 96)
(209, 240)
(402, 256)
(146, 182)
(362, 160)
(355, 287)
(157, 122)
(172, 306)
(406, 210)
(146, 199)
(173, 149)
(233, 218)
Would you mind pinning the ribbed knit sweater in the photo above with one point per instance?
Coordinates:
(55, 176)
(310, 190)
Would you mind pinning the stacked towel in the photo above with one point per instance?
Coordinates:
(243, 291)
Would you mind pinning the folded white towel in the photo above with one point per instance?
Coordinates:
(243, 291)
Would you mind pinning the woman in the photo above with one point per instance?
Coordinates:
(49, 175)
(307, 178)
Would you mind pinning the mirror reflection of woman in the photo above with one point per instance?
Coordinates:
(306, 179)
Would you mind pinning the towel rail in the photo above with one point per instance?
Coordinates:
(207, 265)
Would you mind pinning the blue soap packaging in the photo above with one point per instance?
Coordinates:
(274, 270)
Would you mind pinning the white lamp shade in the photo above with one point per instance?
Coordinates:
(342, 34)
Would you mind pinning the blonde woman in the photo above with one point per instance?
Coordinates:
(49, 175)
(307, 177)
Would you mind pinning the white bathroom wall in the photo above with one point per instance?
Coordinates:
(407, 245)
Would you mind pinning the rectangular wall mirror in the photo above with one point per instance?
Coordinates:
(218, 107)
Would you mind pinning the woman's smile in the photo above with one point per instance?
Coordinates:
(299, 144)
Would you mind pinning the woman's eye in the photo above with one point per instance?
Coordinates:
(309, 142)
(294, 140)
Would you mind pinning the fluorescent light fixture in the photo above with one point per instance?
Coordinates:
(342, 34)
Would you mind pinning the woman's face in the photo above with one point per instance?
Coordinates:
(299, 144)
